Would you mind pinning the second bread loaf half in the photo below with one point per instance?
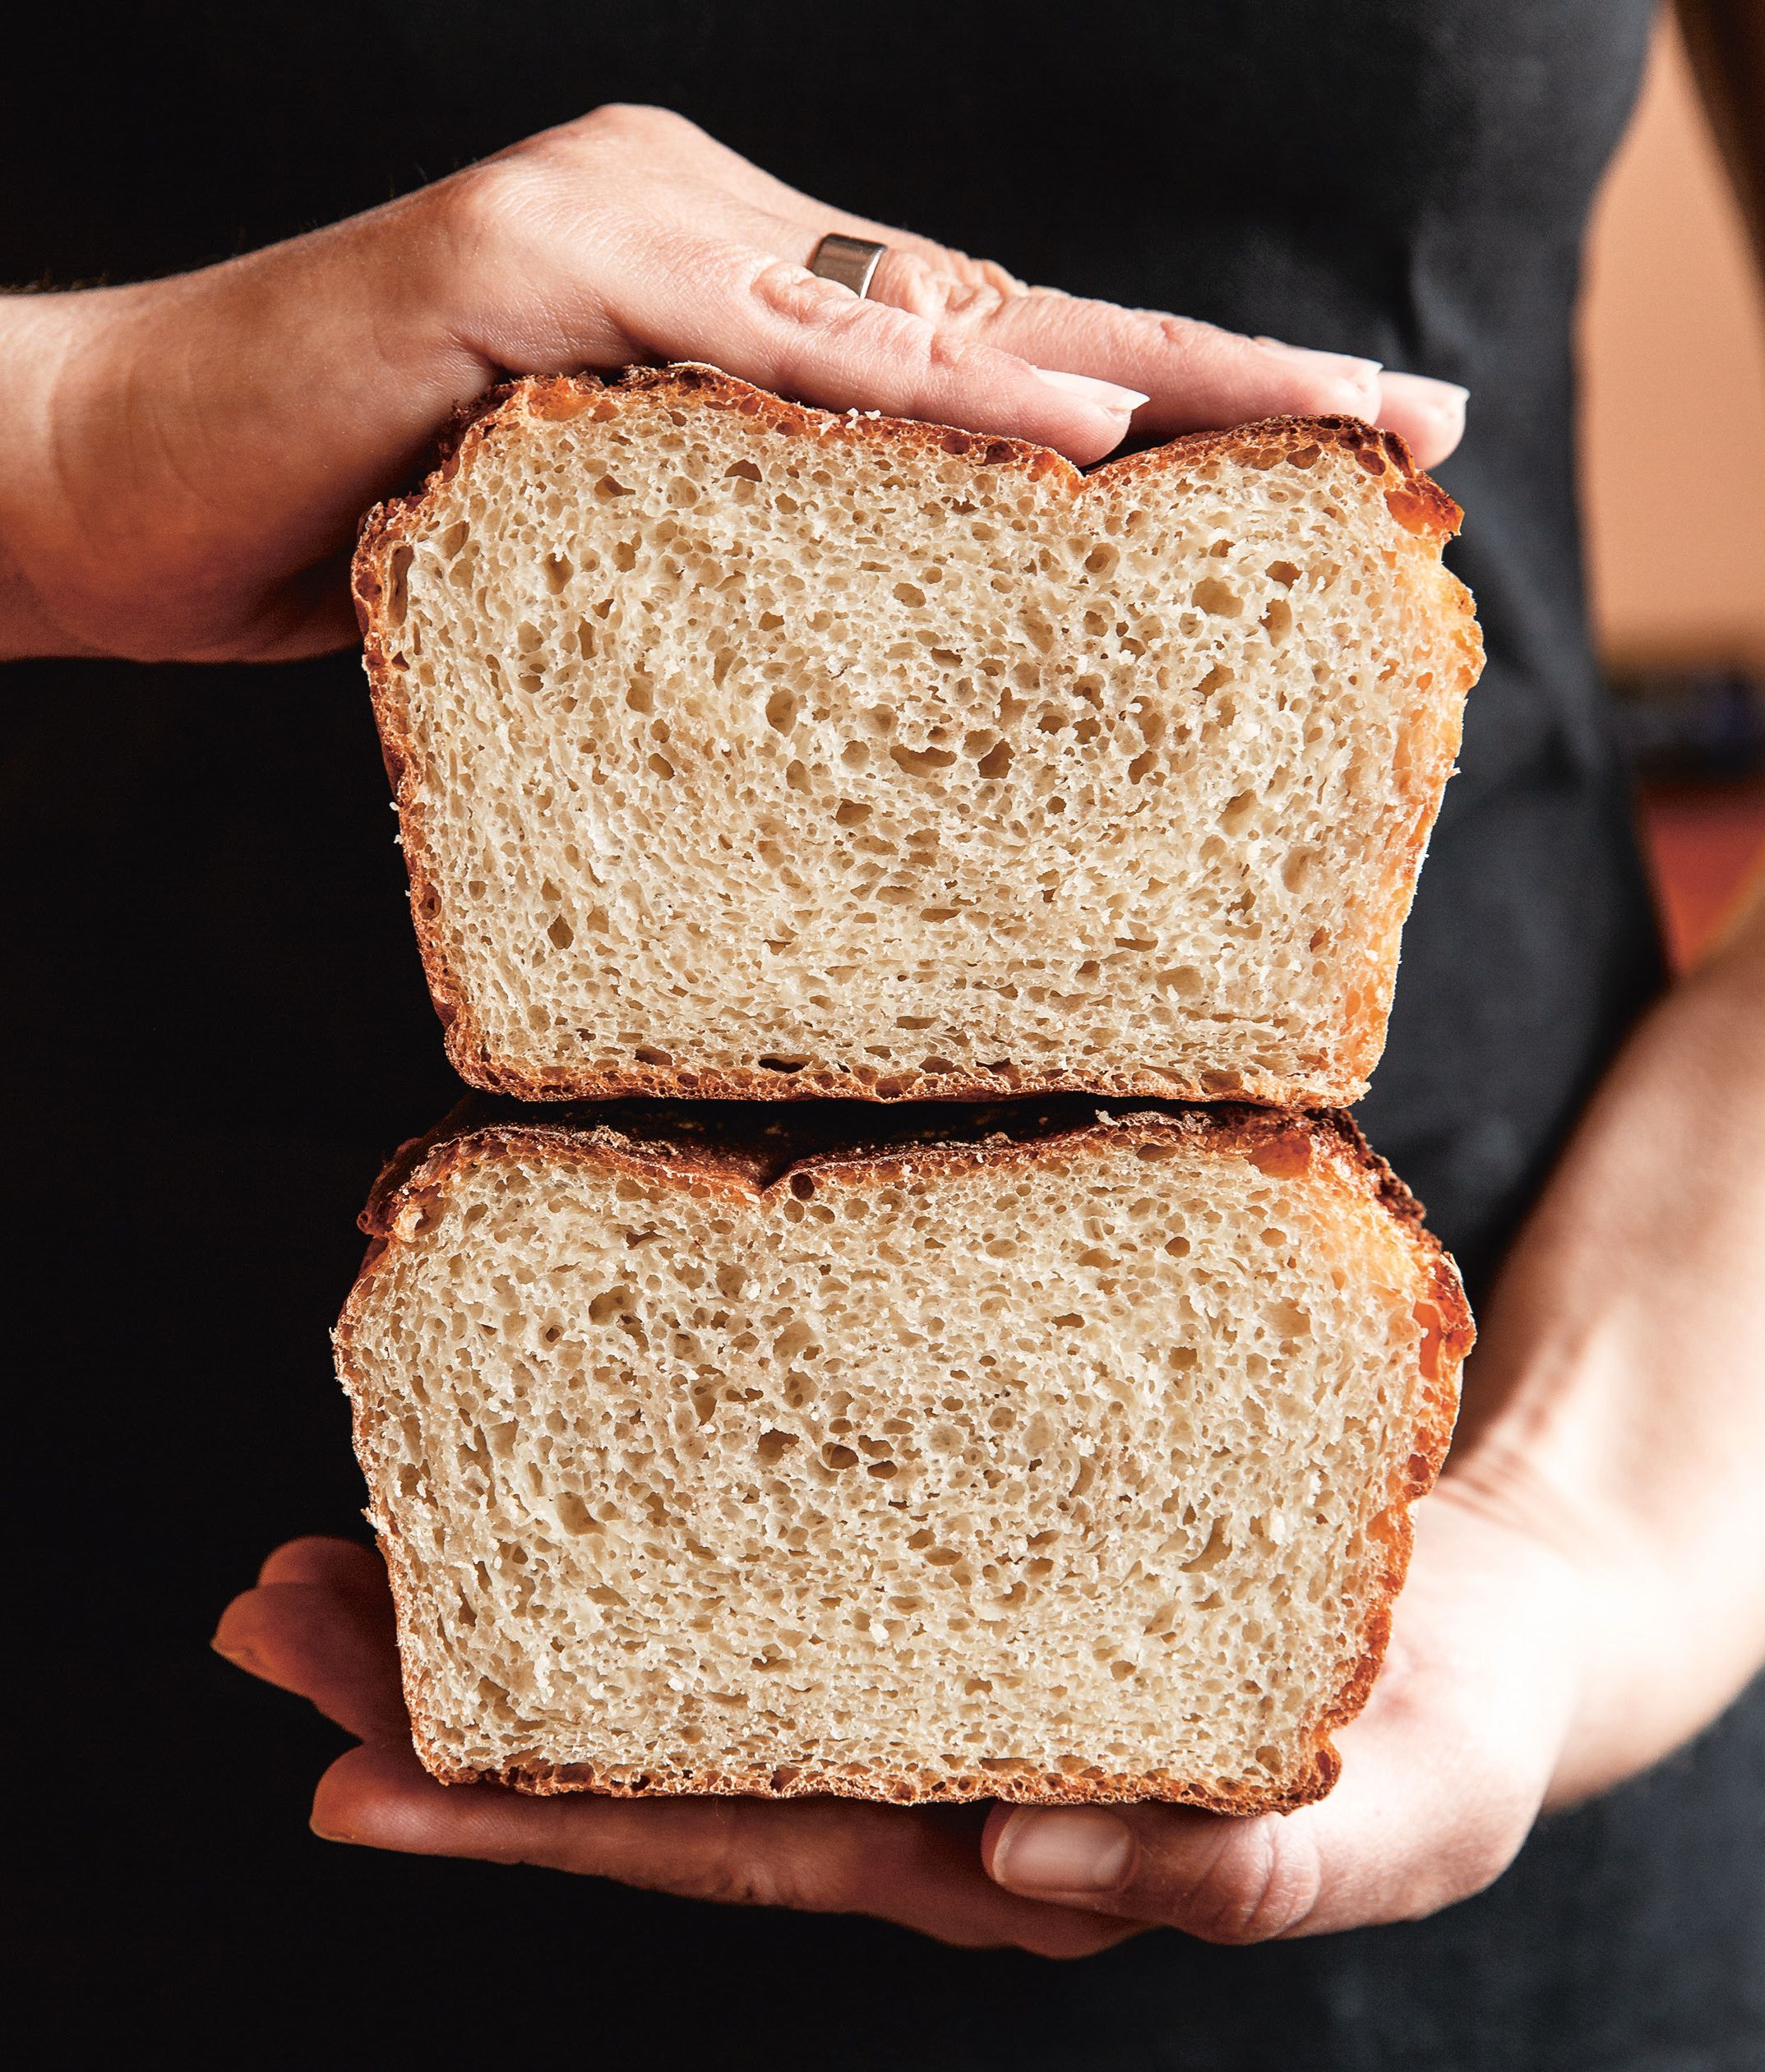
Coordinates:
(1064, 1456)
(744, 749)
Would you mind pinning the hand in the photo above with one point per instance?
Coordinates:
(320, 1622)
(1443, 1776)
(187, 457)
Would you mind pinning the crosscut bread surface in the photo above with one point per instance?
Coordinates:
(746, 750)
(1069, 1465)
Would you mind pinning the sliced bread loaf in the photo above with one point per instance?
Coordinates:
(1062, 1455)
(746, 750)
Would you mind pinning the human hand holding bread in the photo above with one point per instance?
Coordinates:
(187, 457)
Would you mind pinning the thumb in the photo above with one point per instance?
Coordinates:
(1442, 1777)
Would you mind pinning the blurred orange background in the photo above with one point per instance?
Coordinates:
(1673, 446)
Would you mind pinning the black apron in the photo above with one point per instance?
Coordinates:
(218, 1026)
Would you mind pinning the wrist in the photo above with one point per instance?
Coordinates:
(187, 457)
(1659, 1552)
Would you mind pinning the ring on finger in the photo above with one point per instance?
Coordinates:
(852, 261)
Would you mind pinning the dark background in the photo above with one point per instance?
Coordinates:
(215, 1029)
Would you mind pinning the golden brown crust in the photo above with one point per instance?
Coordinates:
(1417, 503)
(746, 1158)
(903, 1786)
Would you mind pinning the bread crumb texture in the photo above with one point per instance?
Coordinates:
(1072, 1470)
(744, 749)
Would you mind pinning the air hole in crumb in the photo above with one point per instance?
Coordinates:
(1236, 815)
(574, 1515)
(921, 762)
(398, 568)
(1218, 598)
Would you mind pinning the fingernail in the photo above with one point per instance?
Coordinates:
(1106, 395)
(1344, 363)
(1447, 399)
(240, 1658)
(329, 1833)
(1081, 1850)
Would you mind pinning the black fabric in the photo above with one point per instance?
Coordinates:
(217, 1025)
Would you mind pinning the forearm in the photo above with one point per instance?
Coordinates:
(1619, 1394)
(173, 424)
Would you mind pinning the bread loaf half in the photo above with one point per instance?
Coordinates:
(747, 750)
(1069, 1463)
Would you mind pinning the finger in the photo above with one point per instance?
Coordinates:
(772, 321)
(823, 1856)
(1196, 375)
(1363, 1856)
(1212, 376)
(322, 1557)
(1428, 415)
(332, 1644)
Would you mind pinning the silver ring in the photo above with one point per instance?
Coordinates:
(852, 261)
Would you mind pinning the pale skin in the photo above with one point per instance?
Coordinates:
(187, 459)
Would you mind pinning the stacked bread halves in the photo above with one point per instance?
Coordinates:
(952, 1346)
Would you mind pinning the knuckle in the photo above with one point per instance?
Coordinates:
(489, 204)
(1263, 1881)
(825, 313)
(1203, 345)
(737, 1874)
(786, 289)
(980, 272)
(635, 123)
(757, 1863)
(989, 273)
(945, 353)
(958, 298)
